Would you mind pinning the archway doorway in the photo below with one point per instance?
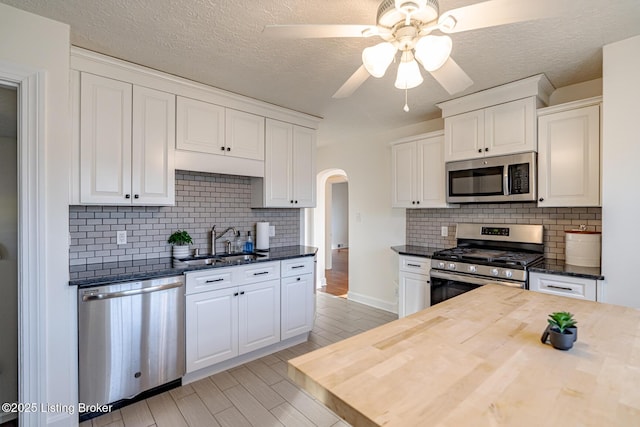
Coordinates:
(331, 232)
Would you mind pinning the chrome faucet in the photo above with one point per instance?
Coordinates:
(215, 237)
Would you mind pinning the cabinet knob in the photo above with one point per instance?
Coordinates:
(242, 293)
(298, 279)
(413, 203)
(235, 294)
(136, 196)
(295, 202)
(479, 150)
(541, 199)
(221, 148)
(291, 201)
(418, 202)
(486, 149)
(127, 196)
(228, 148)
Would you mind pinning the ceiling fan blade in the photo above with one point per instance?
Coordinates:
(452, 77)
(499, 12)
(319, 31)
(354, 82)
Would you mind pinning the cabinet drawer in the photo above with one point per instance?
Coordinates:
(417, 265)
(258, 272)
(297, 266)
(208, 280)
(572, 287)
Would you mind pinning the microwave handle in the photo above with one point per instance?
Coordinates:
(506, 181)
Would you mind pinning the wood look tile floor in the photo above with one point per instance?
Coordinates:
(258, 393)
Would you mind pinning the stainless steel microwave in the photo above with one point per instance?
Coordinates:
(509, 178)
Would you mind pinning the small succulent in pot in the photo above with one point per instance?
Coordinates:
(562, 330)
(180, 241)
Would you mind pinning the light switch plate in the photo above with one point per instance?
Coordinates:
(444, 231)
(121, 237)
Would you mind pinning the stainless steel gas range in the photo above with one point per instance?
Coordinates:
(486, 253)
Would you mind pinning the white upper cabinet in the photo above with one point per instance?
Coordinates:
(210, 128)
(418, 175)
(199, 126)
(507, 128)
(244, 134)
(127, 136)
(569, 155)
(290, 177)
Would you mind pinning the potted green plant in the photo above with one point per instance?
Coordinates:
(562, 331)
(180, 241)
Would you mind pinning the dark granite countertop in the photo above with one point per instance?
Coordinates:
(558, 266)
(124, 271)
(414, 250)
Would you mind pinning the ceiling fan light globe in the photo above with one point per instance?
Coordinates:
(408, 73)
(376, 59)
(433, 51)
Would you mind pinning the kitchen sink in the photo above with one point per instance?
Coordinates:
(220, 259)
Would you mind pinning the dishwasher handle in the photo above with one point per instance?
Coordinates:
(108, 295)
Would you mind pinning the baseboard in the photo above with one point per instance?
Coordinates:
(373, 302)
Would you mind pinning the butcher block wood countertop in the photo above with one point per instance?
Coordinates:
(477, 360)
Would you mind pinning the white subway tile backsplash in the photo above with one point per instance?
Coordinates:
(202, 200)
(424, 225)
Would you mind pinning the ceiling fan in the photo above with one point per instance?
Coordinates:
(406, 26)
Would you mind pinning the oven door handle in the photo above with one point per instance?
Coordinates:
(473, 280)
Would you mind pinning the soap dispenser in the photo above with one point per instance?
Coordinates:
(238, 243)
(248, 245)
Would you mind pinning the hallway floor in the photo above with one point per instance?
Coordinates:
(258, 393)
(338, 276)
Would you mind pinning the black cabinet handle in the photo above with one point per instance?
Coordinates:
(261, 273)
(215, 280)
(413, 203)
(242, 293)
(137, 196)
(562, 288)
(296, 202)
(228, 148)
(235, 294)
(222, 148)
(418, 202)
(486, 149)
(298, 279)
(127, 196)
(479, 150)
(297, 266)
(291, 201)
(541, 199)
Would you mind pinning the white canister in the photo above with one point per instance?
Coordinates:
(582, 248)
(262, 236)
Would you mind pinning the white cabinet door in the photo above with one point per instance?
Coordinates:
(464, 136)
(430, 182)
(244, 135)
(566, 286)
(211, 327)
(403, 175)
(153, 172)
(569, 158)
(510, 127)
(105, 140)
(199, 126)
(258, 315)
(278, 164)
(297, 305)
(289, 168)
(304, 167)
(414, 293)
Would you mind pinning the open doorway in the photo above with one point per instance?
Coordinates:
(331, 232)
(8, 251)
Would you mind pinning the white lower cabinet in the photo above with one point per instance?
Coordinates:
(566, 286)
(232, 311)
(414, 293)
(298, 297)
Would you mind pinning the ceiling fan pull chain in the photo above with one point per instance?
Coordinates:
(406, 104)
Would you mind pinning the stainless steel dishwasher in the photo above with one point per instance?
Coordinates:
(130, 338)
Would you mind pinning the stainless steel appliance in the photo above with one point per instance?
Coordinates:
(486, 253)
(492, 179)
(130, 337)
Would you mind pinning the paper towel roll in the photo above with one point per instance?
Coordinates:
(262, 236)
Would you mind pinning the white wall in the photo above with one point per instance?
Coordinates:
(340, 215)
(373, 225)
(620, 172)
(33, 41)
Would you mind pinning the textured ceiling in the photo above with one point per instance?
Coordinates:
(219, 43)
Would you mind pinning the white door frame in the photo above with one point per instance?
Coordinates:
(31, 236)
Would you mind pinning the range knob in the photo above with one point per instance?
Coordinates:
(452, 266)
(508, 273)
(473, 269)
(441, 264)
(495, 271)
